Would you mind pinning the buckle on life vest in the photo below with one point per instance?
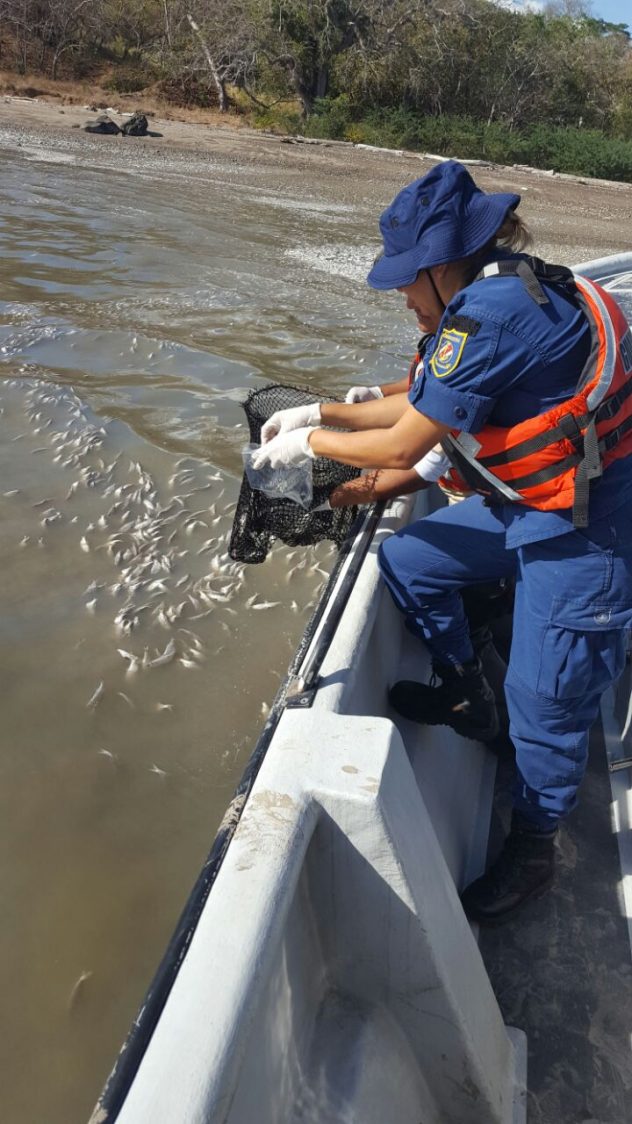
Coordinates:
(571, 431)
(611, 406)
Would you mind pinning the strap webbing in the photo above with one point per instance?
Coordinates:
(592, 454)
(568, 427)
(531, 270)
(543, 475)
(589, 469)
(531, 283)
(440, 299)
(591, 466)
(581, 497)
(612, 439)
(613, 403)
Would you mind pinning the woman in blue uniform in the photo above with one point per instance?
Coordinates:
(528, 386)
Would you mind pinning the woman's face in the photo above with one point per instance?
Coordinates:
(422, 299)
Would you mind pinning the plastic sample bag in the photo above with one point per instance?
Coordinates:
(289, 482)
(260, 519)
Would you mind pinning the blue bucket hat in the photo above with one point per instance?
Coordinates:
(439, 218)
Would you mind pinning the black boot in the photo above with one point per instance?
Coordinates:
(492, 663)
(524, 869)
(495, 670)
(464, 700)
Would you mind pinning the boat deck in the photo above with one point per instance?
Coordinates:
(561, 970)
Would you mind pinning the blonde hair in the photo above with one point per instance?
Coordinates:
(514, 234)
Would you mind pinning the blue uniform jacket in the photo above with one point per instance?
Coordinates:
(499, 357)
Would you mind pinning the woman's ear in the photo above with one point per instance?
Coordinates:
(440, 272)
(450, 278)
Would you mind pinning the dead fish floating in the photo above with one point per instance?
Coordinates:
(94, 698)
(165, 657)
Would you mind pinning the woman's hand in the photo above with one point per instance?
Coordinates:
(286, 448)
(283, 421)
(363, 394)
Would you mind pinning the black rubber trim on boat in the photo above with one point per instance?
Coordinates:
(131, 1054)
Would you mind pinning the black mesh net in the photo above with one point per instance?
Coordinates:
(259, 519)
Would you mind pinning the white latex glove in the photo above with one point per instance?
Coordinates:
(283, 421)
(363, 394)
(285, 449)
(434, 465)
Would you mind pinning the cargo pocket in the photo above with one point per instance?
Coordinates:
(582, 649)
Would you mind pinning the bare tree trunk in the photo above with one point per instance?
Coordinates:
(165, 7)
(59, 51)
(219, 85)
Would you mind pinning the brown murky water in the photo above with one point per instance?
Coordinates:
(137, 305)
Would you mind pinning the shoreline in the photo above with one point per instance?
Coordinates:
(573, 218)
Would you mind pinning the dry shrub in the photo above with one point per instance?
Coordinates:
(188, 90)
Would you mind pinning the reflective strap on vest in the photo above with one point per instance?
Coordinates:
(475, 475)
(599, 392)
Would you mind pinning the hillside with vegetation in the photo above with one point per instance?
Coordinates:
(552, 89)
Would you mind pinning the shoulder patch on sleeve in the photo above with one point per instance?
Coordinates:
(447, 354)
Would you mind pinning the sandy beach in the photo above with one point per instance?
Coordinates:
(573, 219)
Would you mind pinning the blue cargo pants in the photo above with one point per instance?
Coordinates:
(572, 609)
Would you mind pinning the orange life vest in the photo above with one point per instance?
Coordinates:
(547, 462)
